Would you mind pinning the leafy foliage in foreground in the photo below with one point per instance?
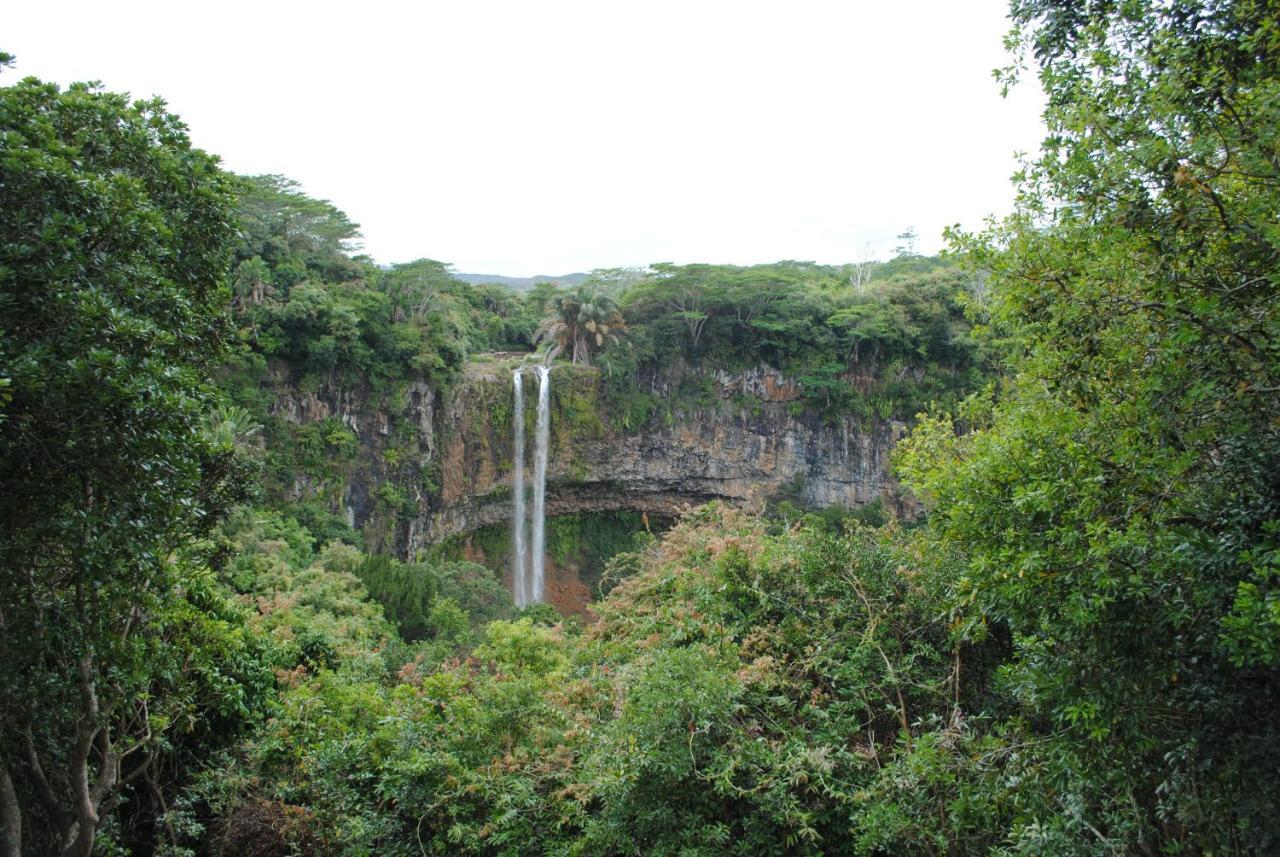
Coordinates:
(119, 661)
(1118, 501)
(793, 691)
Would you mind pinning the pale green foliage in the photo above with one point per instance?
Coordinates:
(521, 647)
(581, 321)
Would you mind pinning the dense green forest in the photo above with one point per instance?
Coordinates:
(299, 297)
(1074, 651)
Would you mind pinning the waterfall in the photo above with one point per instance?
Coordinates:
(528, 570)
(519, 559)
(541, 436)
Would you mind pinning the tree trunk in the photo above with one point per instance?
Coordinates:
(81, 841)
(10, 817)
(87, 798)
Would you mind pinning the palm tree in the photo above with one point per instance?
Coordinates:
(582, 320)
(232, 426)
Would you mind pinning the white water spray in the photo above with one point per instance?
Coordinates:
(519, 558)
(528, 564)
(541, 436)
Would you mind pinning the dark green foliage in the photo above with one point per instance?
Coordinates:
(323, 525)
(589, 540)
(404, 591)
(118, 660)
(316, 651)
(419, 597)
(302, 301)
(542, 614)
(476, 590)
(885, 348)
(287, 237)
(457, 317)
(789, 510)
(583, 541)
(326, 328)
(1117, 500)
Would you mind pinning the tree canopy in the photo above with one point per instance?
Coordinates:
(581, 321)
(1117, 499)
(112, 289)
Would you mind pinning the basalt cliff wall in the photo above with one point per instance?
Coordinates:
(427, 465)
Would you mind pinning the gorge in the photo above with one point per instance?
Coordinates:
(748, 439)
(297, 560)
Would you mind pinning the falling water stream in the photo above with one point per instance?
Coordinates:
(541, 435)
(528, 571)
(519, 558)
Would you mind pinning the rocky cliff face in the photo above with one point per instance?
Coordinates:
(750, 441)
(752, 444)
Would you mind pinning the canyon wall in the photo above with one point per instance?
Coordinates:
(431, 466)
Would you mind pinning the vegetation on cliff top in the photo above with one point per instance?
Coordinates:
(880, 340)
(895, 334)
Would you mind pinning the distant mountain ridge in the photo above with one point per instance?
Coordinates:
(522, 284)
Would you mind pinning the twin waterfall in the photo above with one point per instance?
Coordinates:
(528, 563)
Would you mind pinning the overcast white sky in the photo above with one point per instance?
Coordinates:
(528, 137)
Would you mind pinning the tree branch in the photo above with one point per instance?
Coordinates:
(44, 791)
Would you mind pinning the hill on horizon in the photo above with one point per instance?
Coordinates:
(522, 284)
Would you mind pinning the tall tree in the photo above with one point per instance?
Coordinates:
(115, 236)
(1119, 500)
(684, 291)
(281, 224)
(420, 288)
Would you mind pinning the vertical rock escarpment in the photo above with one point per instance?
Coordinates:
(754, 442)
(426, 465)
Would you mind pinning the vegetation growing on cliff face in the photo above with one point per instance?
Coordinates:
(583, 544)
(883, 343)
(315, 322)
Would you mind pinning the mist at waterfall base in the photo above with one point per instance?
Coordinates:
(528, 563)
